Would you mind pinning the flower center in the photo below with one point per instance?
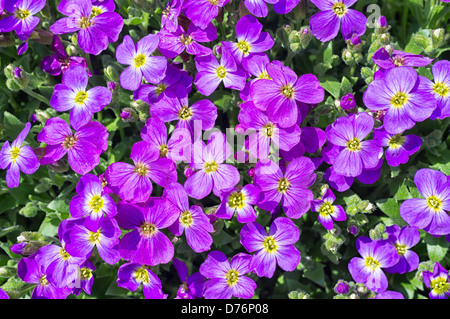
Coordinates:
(186, 219)
(340, 9)
(86, 273)
(185, 39)
(434, 203)
(244, 47)
(401, 249)
(14, 153)
(399, 100)
(166, 11)
(94, 237)
(221, 72)
(232, 277)
(43, 281)
(396, 141)
(141, 169)
(372, 263)
(96, 11)
(288, 91)
(440, 285)
(64, 254)
(96, 203)
(214, 2)
(141, 275)
(148, 229)
(268, 130)
(441, 88)
(160, 88)
(139, 60)
(283, 185)
(399, 60)
(85, 22)
(326, 209)
(69, 142)
(354, 145)
(269, 244)
(264, 75)
(22, 14)
(185, 113)
(163, 150)
(236, 200)
(80, 97)
(211, 167)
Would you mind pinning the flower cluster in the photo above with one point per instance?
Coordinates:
(183, 181)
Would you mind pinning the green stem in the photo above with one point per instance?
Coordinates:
(37, 96)
(404, 22)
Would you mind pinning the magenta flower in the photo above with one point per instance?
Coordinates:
(404, 96)
(202, 12)
(399, 147)
(83, 146)
(273, 248)
(255, 65)
(16, 158)
(146, 244)
(438, 281)
(239, 202)
(278, 96)
(193, 222)
(250, 39)
(440, 87)
(327, 211)
(259, 7)
(368, 269)
(429, 213)
(141, 63)
(134, 181)
(290, 188)
(132, 275)
(72, 95)
(173, 43)
(170, 14)
(192, 286)
(95, 30)
(85, 280)
(403, 239)
(22, 20)
(225, 278)
(333, 14)
(212, 174)
(354, 153)
(211, 73)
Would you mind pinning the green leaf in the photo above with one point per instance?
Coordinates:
(437, 248)
(49, 226)
(331, 85)
(391, 208)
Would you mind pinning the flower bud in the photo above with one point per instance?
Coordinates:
(129, 115)
(305, 37)
(342, 287)
(348, 101)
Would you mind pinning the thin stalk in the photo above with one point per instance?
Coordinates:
(37, 96)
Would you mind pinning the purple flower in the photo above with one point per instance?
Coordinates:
(95, 30)
(131, 275)
(403, 239)
(134, 181)
(327, 211)
(326, 23)
(3, 294)
(16, 158)
(272, 248)
(403, 95)
(211, 73)
(250, 39)
(290, 188)
(348, 101)
(267, 132)
(312, 139)
(176, 148)
(146, 244)
(192, 220)
(141, 63)
(22, 20)
(192, 286)
(85, 279)
(80, 241)
(279, 95)
(353, 153)
(33, 272)
(441, 89)
(429, 213)
(202, 12)
(225, 278)
(284, 6)
(91, 202)
(368, 269)
(83, 147)
(170, 14)
(173, 43)
(399, 147)
(438, 281)
(255, 65)
(388, 294)
(239, 201)
(72, 95)
(259, 7)
(201, 115)
(59, 62)
(211, 174)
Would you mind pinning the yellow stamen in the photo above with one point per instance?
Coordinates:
(148, 229)
(141, 169)
(185, 113)
(399, 100)
(232, 277)
(354, 145)
(69, 142)
(372, 263)
(80, 97)
(442, 89)
(186, 219)
(288, 91)
(434, 203)
(236, 200)
(244, 47)
(340, 9)
(139, 60)
(22, 14)
(211, 167)
(270, 244)
(396, 141)
(221, 72)
(14, 153)
(283, 185)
